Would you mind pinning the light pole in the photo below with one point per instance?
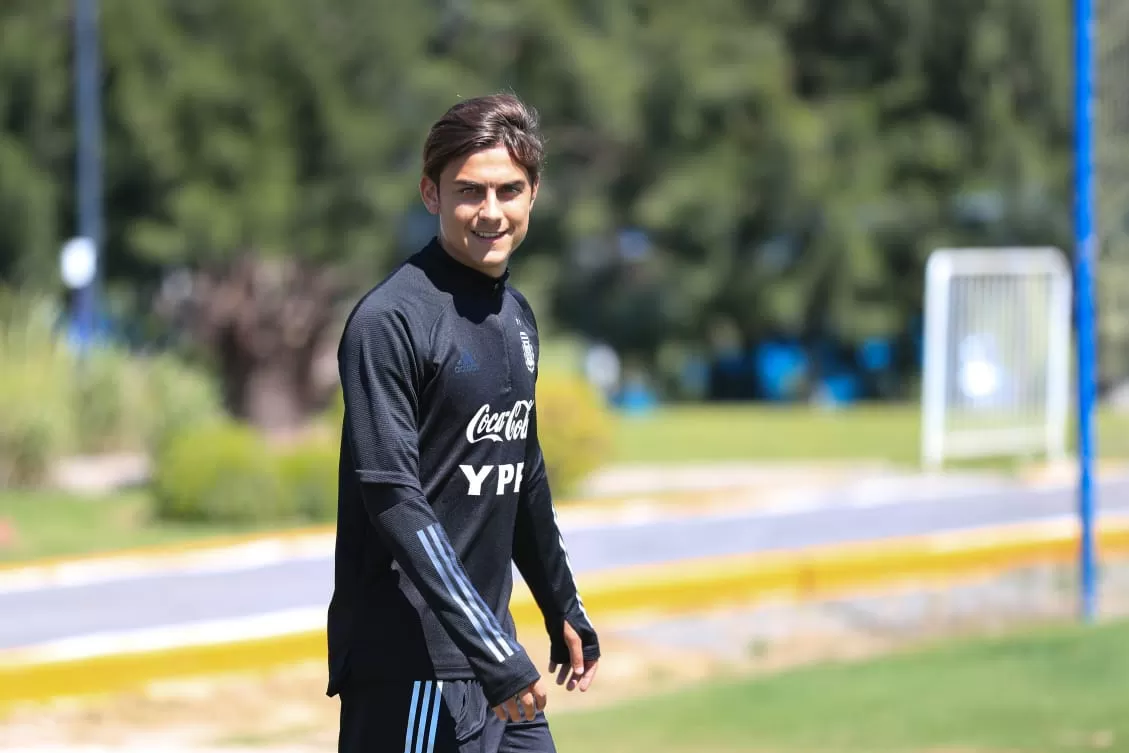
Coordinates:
(87, 81)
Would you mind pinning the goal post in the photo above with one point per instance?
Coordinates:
(996, 362)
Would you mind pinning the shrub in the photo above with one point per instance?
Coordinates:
(309, 473)
(36, 382)
(180, 397)
(220, 472)
(52, 403)
(575, 429)
(112, 406)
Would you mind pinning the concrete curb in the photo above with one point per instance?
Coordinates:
(103, 664)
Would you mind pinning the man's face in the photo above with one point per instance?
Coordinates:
(483, 201)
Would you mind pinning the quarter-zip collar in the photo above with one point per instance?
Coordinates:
(452, 272)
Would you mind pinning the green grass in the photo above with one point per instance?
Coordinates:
(47, 524)
(1052, 691)
(890, 433)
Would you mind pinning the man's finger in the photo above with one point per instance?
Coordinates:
(528, 706)
(562, 675)
(589, 675)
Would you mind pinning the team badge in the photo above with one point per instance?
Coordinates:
(527, 349)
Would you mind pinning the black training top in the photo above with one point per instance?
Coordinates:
(442, 486)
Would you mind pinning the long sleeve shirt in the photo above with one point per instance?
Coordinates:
(443, 487)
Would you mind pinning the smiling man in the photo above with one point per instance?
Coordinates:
(442, 482)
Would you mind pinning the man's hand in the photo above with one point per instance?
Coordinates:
(525, 704)
(583, 672)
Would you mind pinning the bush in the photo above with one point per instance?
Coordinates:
(111, 402)
(36, 389)
(51, 403)
(575, 429)
(220, 472)
(309, 473)
(135, 403)
(180, 398)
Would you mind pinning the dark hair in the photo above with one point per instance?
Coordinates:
(484, 123)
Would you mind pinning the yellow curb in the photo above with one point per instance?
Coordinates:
(674, 588)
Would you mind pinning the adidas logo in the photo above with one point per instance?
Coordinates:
(466, 363)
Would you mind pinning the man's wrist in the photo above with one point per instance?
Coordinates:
(513, 685)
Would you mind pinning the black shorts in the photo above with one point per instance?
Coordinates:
(433, 716)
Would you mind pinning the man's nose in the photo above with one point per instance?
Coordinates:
(491, 209)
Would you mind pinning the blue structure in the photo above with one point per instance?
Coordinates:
(88, 79)
(1085, 28)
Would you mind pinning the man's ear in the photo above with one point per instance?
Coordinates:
(533, 192)
(429, 192)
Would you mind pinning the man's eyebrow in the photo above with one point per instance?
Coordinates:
(517, 183)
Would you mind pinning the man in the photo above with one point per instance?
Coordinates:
(442, 481)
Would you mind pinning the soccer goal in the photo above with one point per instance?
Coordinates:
(996, 370)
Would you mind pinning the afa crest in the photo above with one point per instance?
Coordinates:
(530, 356)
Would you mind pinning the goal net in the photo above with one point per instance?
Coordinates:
(996, 372)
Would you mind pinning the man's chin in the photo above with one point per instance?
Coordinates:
(491, 255)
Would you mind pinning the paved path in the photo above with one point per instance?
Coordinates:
(130, 603)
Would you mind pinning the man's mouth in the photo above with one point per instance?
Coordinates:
(493, 236)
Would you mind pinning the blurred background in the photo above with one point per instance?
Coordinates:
(728, 262)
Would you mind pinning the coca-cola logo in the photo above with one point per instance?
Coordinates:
(500, 426)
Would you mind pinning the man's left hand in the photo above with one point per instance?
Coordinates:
(583, 671)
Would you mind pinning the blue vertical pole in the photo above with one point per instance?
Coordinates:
(1085, 250)
(87, 79)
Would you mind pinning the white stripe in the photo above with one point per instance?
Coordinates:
(484, 611)
(427, 698)
(455, 596)
(568, 564)
(472, 596)
(435, 717)
(411, 719)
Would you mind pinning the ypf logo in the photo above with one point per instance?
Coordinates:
(500, 426)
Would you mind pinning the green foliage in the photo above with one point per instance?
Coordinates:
(219, 472)
(132, 402)
(111, 405)
(226, 472)
(792, 163)
(52, 402)
(180, 398)
(309, 476)
(575, 430)
(36, 391)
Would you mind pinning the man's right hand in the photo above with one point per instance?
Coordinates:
(524, 705)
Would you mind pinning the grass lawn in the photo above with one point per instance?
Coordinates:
(47, 524)
(890, 433)
(1061, 690)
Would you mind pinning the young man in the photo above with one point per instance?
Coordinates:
(442, 481)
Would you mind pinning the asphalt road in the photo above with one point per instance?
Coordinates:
(33, 617)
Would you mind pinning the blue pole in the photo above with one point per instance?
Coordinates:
(1085, 248)
(87, 79)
